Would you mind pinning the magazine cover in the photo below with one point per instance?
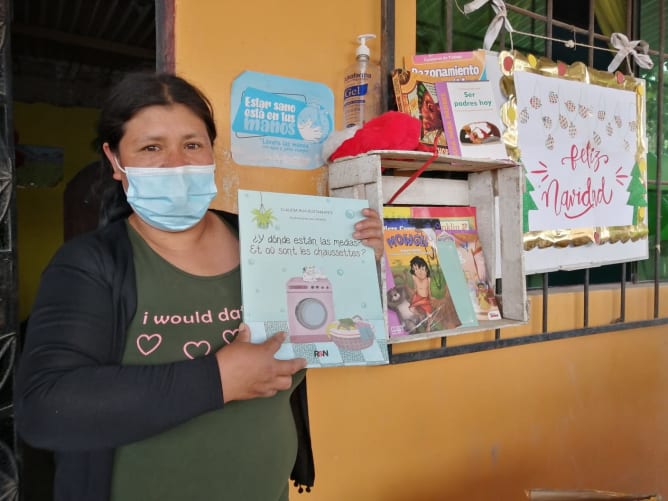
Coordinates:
(303, 273)
(419, 298)
(471, 121)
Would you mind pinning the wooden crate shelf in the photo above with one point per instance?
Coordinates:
(493, 187)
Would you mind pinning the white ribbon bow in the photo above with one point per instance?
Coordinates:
(626, 47)
(501, 19)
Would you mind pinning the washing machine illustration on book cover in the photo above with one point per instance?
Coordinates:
(310, 308)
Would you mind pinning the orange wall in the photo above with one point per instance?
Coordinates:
(582, 413)
(585, 412)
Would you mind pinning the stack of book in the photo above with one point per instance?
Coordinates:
(454, 99)
(435, 273)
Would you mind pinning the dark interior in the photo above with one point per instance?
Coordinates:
(67, 52)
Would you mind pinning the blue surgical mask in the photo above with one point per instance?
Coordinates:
(170, 198)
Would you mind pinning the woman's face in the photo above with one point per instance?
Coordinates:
(162, 136)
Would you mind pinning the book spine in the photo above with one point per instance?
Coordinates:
(449, 127)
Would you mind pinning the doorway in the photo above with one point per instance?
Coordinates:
(60, 57)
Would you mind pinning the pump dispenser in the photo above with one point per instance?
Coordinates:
(361, 96)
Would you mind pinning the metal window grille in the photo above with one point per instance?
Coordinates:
(541, 21)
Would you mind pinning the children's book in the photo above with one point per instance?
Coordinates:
(472, 258)
(458, 229)
(420, 299)
(303, 273)
(449, 262)
(471, 121)
(416, 96)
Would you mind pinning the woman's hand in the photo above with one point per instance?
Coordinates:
(370, 232)
(250, 370)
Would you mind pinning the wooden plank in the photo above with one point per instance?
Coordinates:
(481, 195)
(356, 170)
(424, 191)
(484, 325)
(413, 160)
(370, 192)
(511, 237)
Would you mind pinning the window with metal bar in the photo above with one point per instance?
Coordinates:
(541, 27)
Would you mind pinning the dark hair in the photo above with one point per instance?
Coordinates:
(134, 92)
(418, 262)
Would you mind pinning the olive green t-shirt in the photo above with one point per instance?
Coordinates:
(243, 452)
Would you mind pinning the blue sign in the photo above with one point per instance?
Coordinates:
(279, 121)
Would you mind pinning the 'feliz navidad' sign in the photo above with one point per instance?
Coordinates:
(581, 146)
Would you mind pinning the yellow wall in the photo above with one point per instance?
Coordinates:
(40, 210)
(589, 412)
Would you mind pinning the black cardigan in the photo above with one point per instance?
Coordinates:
(90, 280)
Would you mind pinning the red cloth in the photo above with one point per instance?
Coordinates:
(392, 130)
(421, 302)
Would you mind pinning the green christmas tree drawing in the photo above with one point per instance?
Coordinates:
(637, 192)
(527, 203)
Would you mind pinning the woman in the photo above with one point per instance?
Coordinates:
(128, 371)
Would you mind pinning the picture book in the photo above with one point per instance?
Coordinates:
(458, 228)
(415, 95)
(471, 121)
(463, 65)
(448, 260)
(472, 258)
(302, 272)
(419, 298)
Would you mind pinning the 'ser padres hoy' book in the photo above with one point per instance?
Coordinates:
(303, 273)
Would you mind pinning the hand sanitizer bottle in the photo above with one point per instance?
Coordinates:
(361, 97)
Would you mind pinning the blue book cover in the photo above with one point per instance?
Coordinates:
(303, 273)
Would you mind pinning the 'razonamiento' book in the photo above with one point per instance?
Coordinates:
(303, 273)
